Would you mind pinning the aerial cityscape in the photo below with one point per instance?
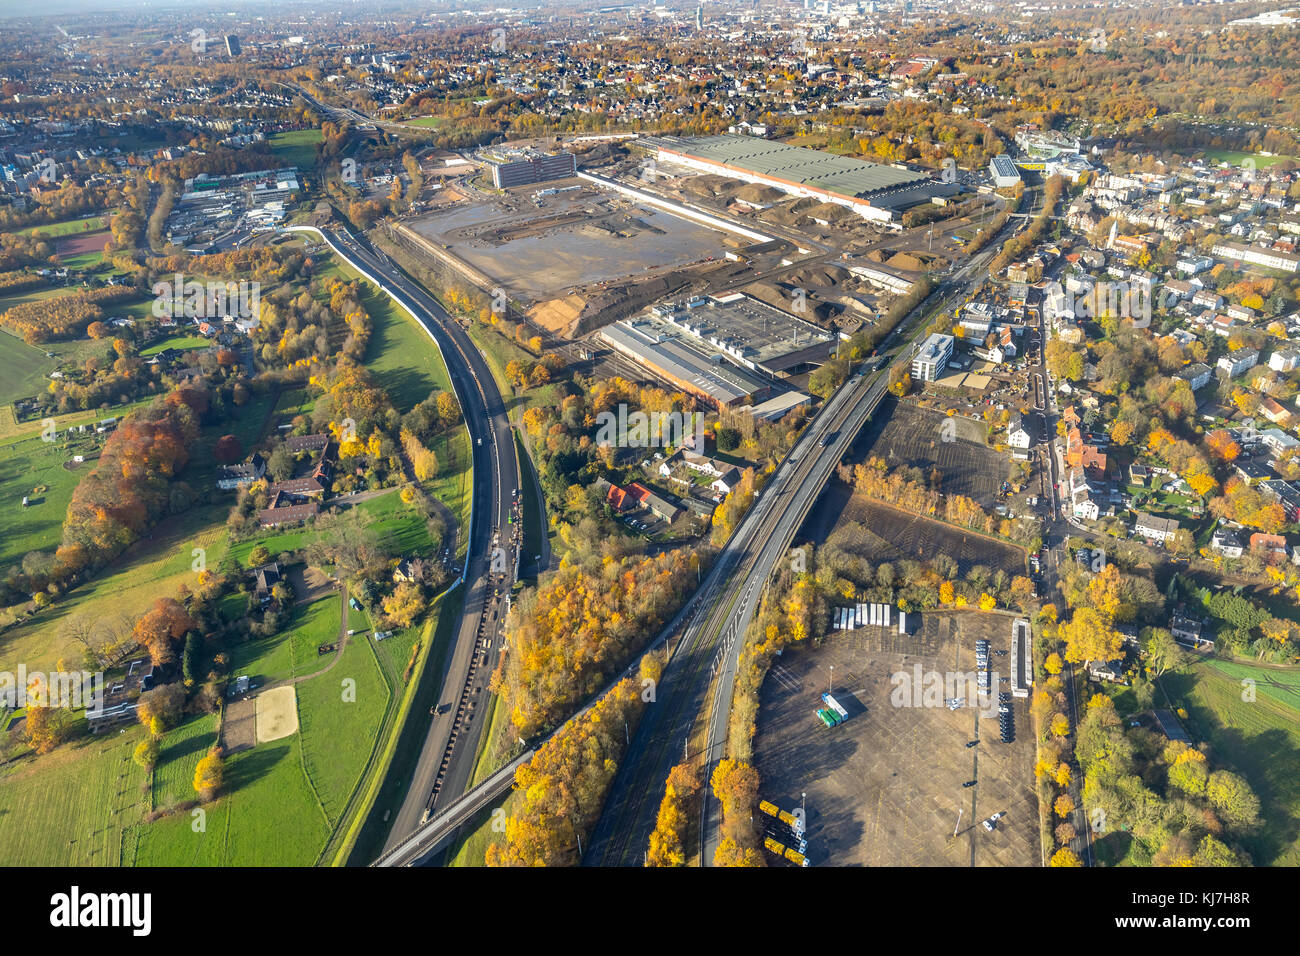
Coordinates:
(743, 433)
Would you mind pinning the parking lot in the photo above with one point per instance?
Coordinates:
(885, 787)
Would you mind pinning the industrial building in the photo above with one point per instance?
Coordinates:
(1004, 172)
(932, 358)
(674, 357)
(750, 333)
(529, 168)
(871, 190)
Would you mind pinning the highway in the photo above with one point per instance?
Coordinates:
(742, 571)
(709, 648)
(447, 755)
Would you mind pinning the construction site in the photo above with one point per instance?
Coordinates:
(586, 235)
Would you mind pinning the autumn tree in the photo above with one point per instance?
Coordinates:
(160, 708)
(1088, 637)
(228, 450)
(405, 605)
(209, 774)
(667, 841)
(46, 727)
(1065, 857)
(735, 784)
(162, 628)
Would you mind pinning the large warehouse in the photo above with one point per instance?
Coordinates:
(871, 190)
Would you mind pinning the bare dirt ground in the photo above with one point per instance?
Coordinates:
(239, 726)
(76, 245)
(277, 713)
(884, 788)
(908, 435)
(882, 533)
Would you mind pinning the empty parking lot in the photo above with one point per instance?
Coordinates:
(884, 788)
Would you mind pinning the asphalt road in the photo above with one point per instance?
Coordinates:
(447, 756)
(731, 597)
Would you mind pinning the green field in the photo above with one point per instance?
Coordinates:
(401, 355)
(150, 569)
(69, 227)
(1259, 739)
(297, 147)
(72, 807)
(1235, 157)
(25, 465)
(25, 369)
(176, 342)
(182, 747)
(338, 715)
(426, 122)
(268, 817)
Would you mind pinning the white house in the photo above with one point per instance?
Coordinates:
(1018, 436)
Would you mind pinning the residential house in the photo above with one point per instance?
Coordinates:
(1019, 437)
(1197, 375)
(726, 481)
(1273, 411)
(1284, 359)
(1228, 542)
(1080, 454)
(1154, 528)
(1271, 546)
(1239, 361)
(659, 506)
(1189, 632)
(265, 578)
(230, 477)
(116, 703)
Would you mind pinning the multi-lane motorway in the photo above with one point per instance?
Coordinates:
(447, 756)
(710, 649)
(707, 628)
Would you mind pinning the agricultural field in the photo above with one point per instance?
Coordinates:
(182, 747)
(151, 568)
(73, 807)
(25, 369)
(339, 713)
(268, 817)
